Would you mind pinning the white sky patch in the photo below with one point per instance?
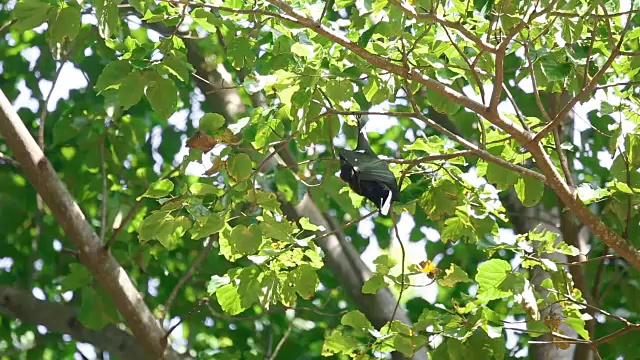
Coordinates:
(38, 293)
(87, 350)
(31, 54)
(71, 78)
(25, 98)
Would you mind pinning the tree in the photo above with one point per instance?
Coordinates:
(188, 192)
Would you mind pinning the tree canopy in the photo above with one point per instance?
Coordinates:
(169, 179)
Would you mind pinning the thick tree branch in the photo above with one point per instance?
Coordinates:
(59, 318)
(104, 267)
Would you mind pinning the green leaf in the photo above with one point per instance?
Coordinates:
(131, 89)
(440, 103)
(338, 343)
(108, 17)
(240, 167)
(229, 299)
(357, 320)
(633, 144)
(307, 281)
(178, 65)
(279, 230)
(201, 189)
(207, 226)
(250, 285)
(78, 277)
(384, 263)
(141, 5)
(306, 224)
(374, 284)
(113, 74)
(246, 240)
(404, 345)
(624, 188)
(453, 275)
(578, 325)
(457, 228)
(340, 90)
(502, 177)
(556, 71)
(96, 311)
(158, 189)
(163, 97)
(266, 200)
(216, 282)
(211, 122)
(441, 200)
(66, 24)
(491, 274)
(152, 223)
(589, 195)
(206, 20)
(30, 14)
(366, 35)
(172, 231)
(529, 190)
(241, 53)
(431, 145)
(301, 49)
(67, 128)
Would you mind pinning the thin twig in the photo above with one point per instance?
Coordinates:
(324, 11)
(589, 53)
(344, 226)
(133, 211)
(431, 158)
(284, 337)
(612, 336)
(577, 263)
(270, 312)
(45, 103)
(429, 17)
(404, 255)
(187, 275)
(197, 308)
(564, 164)
(466, 59)
(585, 91)
(6, 26)
(483, 154)
(627, 227)
(9, 160)
(103, 222)
(534, 83)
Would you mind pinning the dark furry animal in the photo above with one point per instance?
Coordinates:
(368, 175)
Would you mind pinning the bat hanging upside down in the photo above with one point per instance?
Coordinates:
(368, 175)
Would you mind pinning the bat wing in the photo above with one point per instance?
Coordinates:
(356, 158)
(378, 171)
(372, 175)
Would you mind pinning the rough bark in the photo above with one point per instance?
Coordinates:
(102, 265)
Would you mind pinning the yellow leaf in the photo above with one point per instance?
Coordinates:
(429, 268)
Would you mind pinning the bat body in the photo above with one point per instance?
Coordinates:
(368, 175)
